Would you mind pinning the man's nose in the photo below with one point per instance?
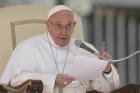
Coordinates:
(64, 30)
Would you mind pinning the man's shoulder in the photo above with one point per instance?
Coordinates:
(32, 41)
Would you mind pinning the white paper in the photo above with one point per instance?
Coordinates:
(87, 68)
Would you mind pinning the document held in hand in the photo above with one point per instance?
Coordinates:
(87, 68)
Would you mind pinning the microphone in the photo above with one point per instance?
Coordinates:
(80, 44)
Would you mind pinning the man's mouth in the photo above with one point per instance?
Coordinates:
(63, 38)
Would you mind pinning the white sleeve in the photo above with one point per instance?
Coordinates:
(107, 83)
(22, 66)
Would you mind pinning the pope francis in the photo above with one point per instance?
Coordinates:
(48, 57)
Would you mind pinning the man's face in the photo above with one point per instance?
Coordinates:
(61, 26)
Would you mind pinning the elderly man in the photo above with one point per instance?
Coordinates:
(48, 56)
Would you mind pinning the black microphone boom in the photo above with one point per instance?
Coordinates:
(79, 43)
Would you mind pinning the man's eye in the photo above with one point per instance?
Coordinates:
(68, 26)
(58, 26)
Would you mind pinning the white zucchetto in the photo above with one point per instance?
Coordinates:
(57, 9)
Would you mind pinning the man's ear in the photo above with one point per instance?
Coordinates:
(74, 25)
(47, 25)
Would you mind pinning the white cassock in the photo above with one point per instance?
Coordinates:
(33, 59)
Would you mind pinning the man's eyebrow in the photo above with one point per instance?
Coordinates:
(58, 22)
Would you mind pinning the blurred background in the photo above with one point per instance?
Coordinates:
(115, 21)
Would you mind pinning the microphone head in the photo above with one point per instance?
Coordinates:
(78, 43)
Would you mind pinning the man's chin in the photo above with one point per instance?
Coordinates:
(62, 42)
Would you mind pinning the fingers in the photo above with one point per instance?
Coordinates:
(105, 54)
(103, 46)
(66, 76)
(62, 80)
(103, 51)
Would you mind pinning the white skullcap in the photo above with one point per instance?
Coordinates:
(57, 9)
